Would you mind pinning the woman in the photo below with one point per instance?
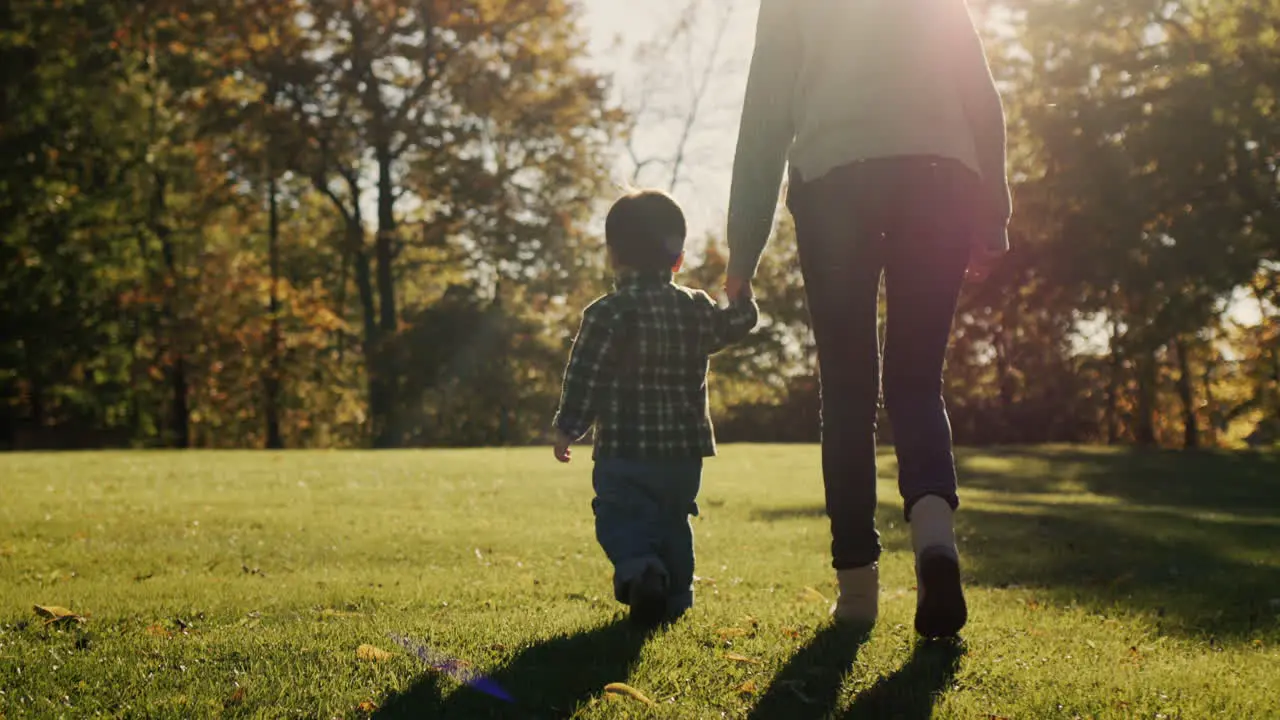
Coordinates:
(888, 114)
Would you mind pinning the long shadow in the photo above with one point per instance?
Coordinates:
(911, 692)
(1243, 483)
(808, 686)
(1190, 544)
(547, 680)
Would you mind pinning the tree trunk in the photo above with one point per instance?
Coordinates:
(384, 248)
(1211, 405)
(271, 383)
(1115, 364)
(379, 397)
(1191, 425)
(180, 414)
(344, 273)
(1148, 376)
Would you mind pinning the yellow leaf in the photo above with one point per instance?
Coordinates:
(740, 658)
(55, 614)
(748, 687)
(368, 707)
(331, 613)
(809, 594)
(236, 698)
(372, 654)
(625, 689)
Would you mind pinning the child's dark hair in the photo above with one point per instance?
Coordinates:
(645, 230)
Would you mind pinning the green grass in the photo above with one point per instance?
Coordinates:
(1103, 584)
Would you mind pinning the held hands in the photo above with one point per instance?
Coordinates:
(736, 288)
(561, 445)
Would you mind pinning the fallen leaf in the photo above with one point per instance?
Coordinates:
(158, 630)
(997, 717)
(791, 632)
(368, 707)
(731, 632)
(740, 658)
(236, 698)
(810, 594)
(372, 654)
(625, 689)
(54, 614)
(1033, 604)
(746, 688)
(331, 613)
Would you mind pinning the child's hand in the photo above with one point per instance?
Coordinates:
(562, 443)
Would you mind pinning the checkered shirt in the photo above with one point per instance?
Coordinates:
(638, 368)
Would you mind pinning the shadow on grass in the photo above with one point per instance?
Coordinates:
(808, 686)
(911, 692)
(547, 680)
(1188, 542)
(1244, 483)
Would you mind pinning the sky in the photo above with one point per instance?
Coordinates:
(615, 28)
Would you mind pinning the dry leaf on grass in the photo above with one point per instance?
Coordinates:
(746, 688)
(368, 707)
(625, 689)
(331, 613)
(372, 654)
(54, 614)
(810, 594)
(158, 630)
(236, 698)
(740, 658)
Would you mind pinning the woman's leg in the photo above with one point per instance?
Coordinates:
(924, 272)
(841, 259)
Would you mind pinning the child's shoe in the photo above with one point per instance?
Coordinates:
(940, 605)
(859, 600)
(647, 597)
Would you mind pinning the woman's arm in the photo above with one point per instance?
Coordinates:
(764, 137)
(986, 116)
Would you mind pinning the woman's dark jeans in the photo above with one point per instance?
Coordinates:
(909, 220)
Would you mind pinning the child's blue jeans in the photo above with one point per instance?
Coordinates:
(642, 510)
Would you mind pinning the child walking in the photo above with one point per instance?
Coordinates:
(638, 373)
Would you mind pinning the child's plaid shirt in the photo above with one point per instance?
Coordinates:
(638, 368)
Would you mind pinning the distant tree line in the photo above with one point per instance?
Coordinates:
(325, 223)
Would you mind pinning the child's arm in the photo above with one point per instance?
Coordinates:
(577, 410)
(731, 325)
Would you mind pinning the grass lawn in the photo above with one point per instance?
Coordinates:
(1102, 584)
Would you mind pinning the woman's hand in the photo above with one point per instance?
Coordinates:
(734, 287)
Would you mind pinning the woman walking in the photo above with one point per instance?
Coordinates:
(889, 117)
